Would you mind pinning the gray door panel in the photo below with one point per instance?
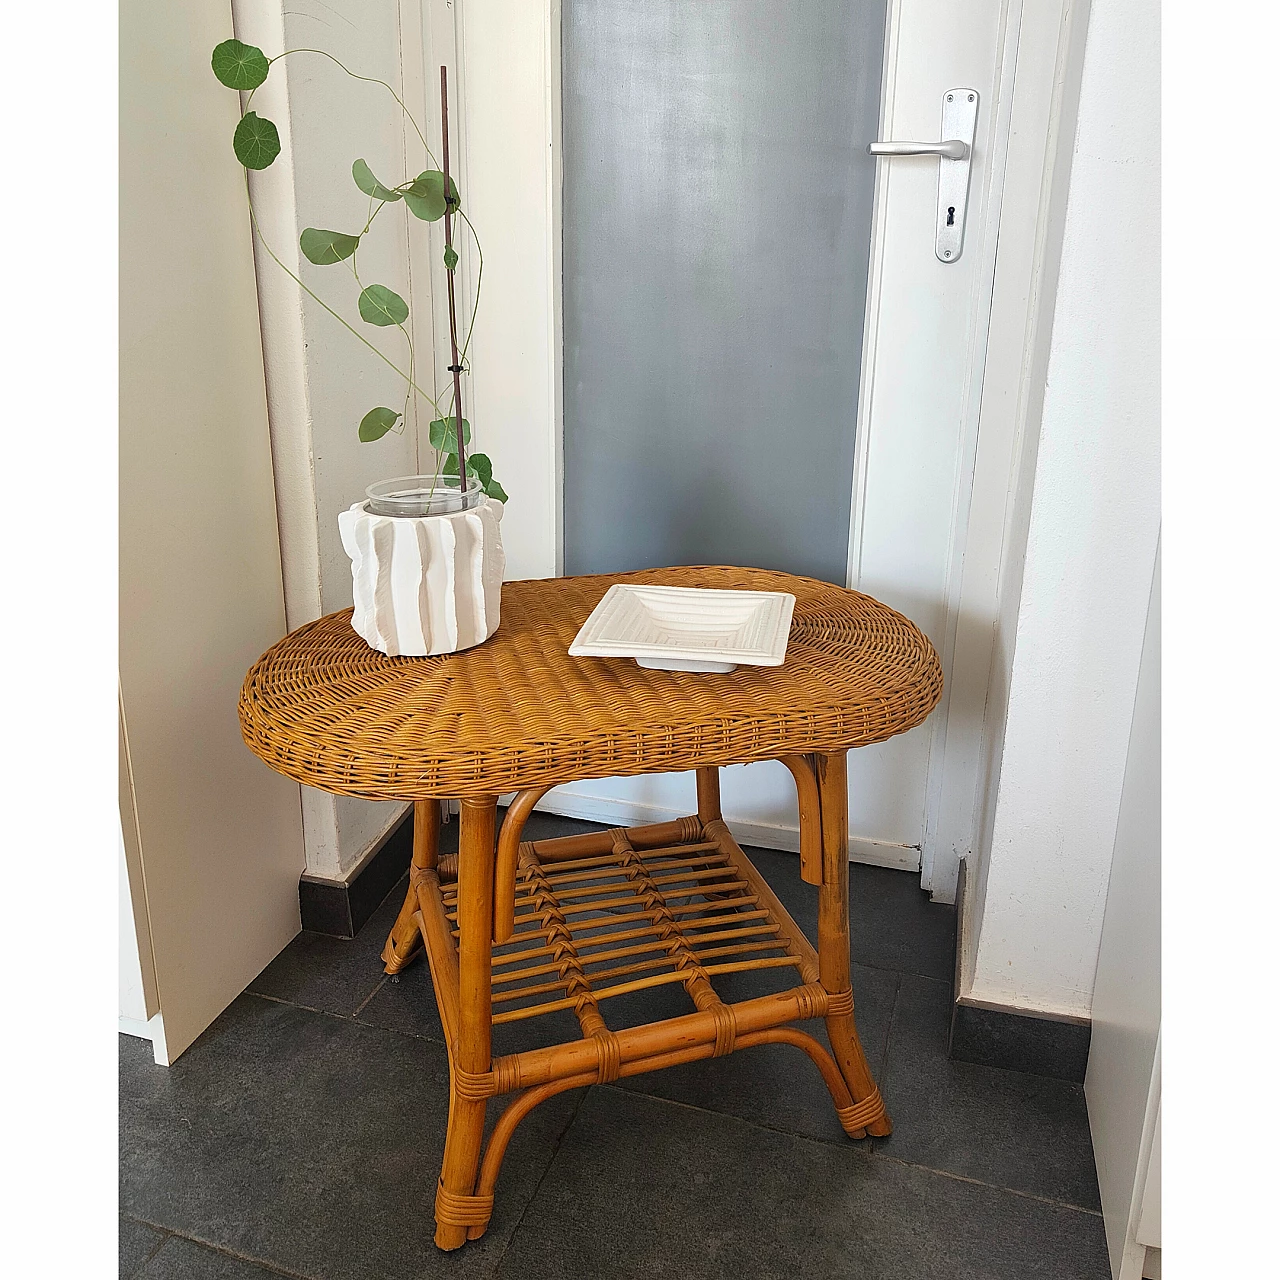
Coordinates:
(717, 222)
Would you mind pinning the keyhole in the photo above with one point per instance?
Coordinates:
(951, 216)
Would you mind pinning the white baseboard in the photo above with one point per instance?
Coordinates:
(630, 813)
(880, 853)
(153, 1030)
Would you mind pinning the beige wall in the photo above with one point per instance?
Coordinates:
(200, 589)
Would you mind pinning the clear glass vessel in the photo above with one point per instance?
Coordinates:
(412, 496)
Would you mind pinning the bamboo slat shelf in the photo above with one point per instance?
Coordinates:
(516, 930)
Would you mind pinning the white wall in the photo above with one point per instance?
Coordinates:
(219, 834)
(1065, 668)
(1122, 1084)
(321, 379)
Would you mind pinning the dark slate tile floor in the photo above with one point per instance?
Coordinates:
(301, 1136)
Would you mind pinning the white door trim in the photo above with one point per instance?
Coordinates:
(1039, 63)
(507, 59)
(1022, 210)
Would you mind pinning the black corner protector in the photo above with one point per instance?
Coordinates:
(1020, 1041)
(341, 908)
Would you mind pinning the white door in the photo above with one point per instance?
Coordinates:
(914, 433)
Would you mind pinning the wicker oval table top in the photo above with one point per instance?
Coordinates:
(518, 712)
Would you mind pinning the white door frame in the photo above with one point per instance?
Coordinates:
(507, 60)
(1038, 96)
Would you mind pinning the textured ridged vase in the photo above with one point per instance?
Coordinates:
(425, 584)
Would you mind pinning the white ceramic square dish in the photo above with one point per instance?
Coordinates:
(688, 628)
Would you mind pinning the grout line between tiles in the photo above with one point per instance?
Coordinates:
(862, 1145)
(272, 1267)
(888, 1036)
(165, 1233)
(867, 1151)
(398, 1031)
(293, 1004)
(345, 1017)
(541, 1178)
(902, 973)
(374, 992)
(993, 1186)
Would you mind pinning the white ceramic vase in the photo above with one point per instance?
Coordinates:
(425, 584)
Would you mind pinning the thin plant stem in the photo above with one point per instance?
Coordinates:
(454, 408)
(475, 302)
(368, 80)
(316, 297)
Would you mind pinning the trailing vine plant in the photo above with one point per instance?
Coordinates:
(431, 196)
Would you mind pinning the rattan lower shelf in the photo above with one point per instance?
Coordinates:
(676, 905)
(530, 934)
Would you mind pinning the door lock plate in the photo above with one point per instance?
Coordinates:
(959, 121)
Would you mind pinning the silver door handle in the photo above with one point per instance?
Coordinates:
(959, 128)
(953, 149)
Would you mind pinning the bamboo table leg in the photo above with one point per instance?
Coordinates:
(402, 942)
(833, 944)
(708, 794)
(462, 1215)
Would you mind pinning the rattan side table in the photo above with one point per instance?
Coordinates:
(515, 929)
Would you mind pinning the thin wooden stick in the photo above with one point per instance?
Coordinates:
(654, 962)
(455, 368)
(810, 818)
(622, 953)
(504, 883)
(658, 835)
(658, 980)
(610, 939)
(800, 945)
(728, 905)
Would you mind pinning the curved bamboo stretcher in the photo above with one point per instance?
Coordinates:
(515, 930)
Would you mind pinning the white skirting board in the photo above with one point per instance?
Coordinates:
(629, 813)
(153, 1030)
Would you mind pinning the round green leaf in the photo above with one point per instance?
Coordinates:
(370, 185)
(479, 466)
(425, 196)
(376, 423)
(240, 66)
(327, 247)
(450, 257)
(443, 434)
(380, 305)
(256, 141)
